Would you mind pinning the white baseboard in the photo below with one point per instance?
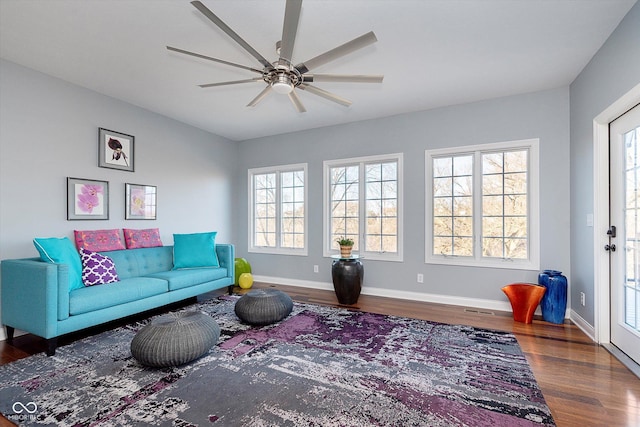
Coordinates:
(485, 304)
(583, 325)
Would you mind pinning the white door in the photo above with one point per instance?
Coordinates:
(624, 242)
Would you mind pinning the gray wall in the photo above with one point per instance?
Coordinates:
(543, 115)
(49, 131)
(612, 72)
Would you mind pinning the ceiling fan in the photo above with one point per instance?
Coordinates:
(282, 76)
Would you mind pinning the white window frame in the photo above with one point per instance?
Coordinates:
(361, 162)
(533, 213)
(277, 249)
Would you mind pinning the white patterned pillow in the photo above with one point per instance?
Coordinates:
(97, 269)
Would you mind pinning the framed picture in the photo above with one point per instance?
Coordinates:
(141, 201)
(87, 199)
(115, 150)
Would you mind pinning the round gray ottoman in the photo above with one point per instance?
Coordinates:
(174, 339)
(263, 306)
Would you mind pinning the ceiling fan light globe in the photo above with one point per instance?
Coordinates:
(283, 87)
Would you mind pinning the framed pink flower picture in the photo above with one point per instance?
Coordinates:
(87, 199)
(140, 201)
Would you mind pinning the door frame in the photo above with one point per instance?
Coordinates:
(602, 303)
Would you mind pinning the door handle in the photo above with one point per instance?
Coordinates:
(611, 248)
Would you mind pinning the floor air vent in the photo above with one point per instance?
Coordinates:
(473, 310)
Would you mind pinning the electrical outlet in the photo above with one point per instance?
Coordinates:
(315, 269)
(420, 278)
(582, 298)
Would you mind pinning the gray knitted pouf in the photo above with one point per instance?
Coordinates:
(174, 339)
(263, 306)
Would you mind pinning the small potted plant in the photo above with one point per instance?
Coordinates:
(346, 245)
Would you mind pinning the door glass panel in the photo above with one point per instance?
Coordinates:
(631, 283)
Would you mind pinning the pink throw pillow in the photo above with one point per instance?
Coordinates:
(98, 240)
(148, 238)
(97, 269)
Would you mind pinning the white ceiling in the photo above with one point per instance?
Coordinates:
(433, 53)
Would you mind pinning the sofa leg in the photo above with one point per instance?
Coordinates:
(231, 289)
(52, 343)
(10, 332)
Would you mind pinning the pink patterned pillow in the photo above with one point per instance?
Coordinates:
(99, 240)
(148, 238)
(97, 269)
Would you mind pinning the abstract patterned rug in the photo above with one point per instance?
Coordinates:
(320, 366)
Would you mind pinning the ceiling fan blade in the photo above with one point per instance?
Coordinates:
(224, 27)
(266, 91)
(342, 78)
(209, 58)
(289, 28)
(234, 82)
(335, 53)
(327, 95)
(296, 102)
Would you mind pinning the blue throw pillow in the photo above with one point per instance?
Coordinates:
(195, 250)
(61, 251)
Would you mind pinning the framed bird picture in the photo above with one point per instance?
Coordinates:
(115, 150)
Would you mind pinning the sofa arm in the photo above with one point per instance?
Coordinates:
(226, 257)
(35, 294)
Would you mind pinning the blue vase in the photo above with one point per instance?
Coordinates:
(554, 301)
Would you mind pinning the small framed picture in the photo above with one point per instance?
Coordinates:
(87, 199)
(115, 150)
(141, 201)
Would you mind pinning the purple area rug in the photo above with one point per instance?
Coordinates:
(320, 366)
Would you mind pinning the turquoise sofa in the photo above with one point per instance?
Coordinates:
(36, 297)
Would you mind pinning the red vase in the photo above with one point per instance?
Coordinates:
(524, 299)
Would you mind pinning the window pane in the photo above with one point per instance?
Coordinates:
(515, 183)
(463, 206)
(292, 208)
(381, 196)
(462, 186)
(442, 167)
(492, 205)
(505, 225)
(442, 186)
(515, 161)
(442, 246)
(492, 163)
(463, 226)
(462, 165)
(492, 184)
(442, 206)
(463, 246)
(442, 226)
(283, 225)
(264, 210)
(453, 205)
(515, 205)
(344, 203)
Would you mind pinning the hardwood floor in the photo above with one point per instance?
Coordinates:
(582, 383)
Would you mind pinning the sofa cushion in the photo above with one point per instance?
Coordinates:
(147, 238)
(195, 250)
(179, 279)
(141, 262)
(61, 251)
(98, 297)
(99, 240)
(97, 269)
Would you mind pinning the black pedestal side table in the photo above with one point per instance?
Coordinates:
(347, 275)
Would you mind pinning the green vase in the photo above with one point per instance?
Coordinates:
(241, 266)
